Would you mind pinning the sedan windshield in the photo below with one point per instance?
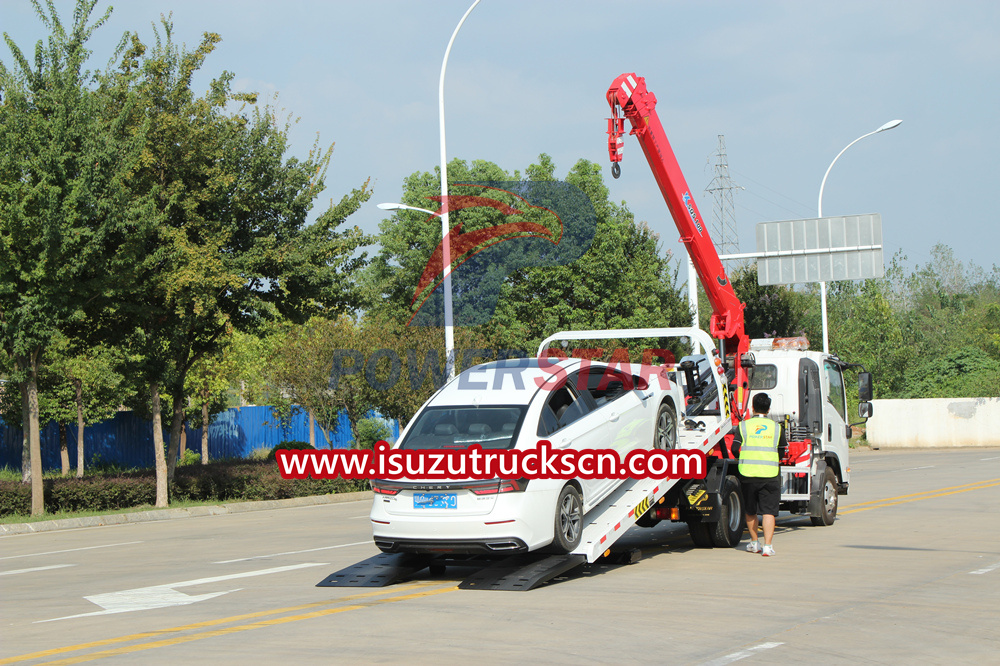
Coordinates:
(460, 427)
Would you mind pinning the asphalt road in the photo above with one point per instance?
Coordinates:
(910, 573)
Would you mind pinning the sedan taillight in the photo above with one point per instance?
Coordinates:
(383, 488)
(503, 486)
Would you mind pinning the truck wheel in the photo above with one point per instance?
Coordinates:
(665, 437)
(729, 530)
(701, 533)
(568, 521)
(828, 512)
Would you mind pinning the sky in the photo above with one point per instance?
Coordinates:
(788, 84)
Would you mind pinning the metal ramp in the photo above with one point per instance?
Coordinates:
(378, 571)
(520, 573)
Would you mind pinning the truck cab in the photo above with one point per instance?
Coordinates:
(808, 393)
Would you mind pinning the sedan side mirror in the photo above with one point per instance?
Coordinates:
(865, 410)
(864, 386)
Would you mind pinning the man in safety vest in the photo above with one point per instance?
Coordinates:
(759, 440)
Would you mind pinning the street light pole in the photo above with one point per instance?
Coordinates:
(449, 323)
(819, 209)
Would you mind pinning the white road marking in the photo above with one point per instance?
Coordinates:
(910, 469)
(992, 567)
(293, 552)
(21, 571)
(70, 550)
(742, 654)
(163, 596)
(993, 458)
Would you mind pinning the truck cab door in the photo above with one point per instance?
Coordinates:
(835, 415)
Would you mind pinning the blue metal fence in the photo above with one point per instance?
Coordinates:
(127, 440)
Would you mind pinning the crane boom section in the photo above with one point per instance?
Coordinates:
(629, 98)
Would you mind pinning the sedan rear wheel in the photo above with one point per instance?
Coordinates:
(666, 428)
(569, 520)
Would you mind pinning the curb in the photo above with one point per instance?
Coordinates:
(189, 512)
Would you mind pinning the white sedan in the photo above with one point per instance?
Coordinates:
(514, 404)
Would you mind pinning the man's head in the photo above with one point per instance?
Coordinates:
(761, 404)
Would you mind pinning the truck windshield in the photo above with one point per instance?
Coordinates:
(493, 427)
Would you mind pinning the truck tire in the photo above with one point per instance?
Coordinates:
(729, 530)
(665, 436)
(568, 520)
(828, 511)
(701, 533)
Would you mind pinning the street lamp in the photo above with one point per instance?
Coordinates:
(449, 334)
(449, 320)
(399, 206)
(822, 285)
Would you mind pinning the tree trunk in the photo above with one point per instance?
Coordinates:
(79, 428)
(184, 440)
(34, 441)
(161, 463)
(312, 430)
(176, 424)
(64, 449)
(204, 433)
(25, 435)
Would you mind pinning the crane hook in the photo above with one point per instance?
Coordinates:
(616, 170)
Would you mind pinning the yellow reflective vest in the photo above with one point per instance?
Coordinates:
(759, 451)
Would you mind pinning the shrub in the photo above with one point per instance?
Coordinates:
(224, 481)
(371, 430)
(189, 458)
(291, 445)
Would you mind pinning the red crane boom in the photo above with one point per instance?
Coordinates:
(630, 99)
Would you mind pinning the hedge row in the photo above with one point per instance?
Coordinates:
(215, 482)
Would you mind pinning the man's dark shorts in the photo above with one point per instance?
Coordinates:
(761, 495)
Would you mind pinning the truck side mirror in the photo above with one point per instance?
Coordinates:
(865, 410)
(864, 386)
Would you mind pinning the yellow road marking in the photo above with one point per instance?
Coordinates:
(206, 623)
(926, 492)
(244, 627)
(924, 496)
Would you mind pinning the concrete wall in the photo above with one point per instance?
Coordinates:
(935, 422)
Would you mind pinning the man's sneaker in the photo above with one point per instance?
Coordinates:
(753, 547)
(768, 551)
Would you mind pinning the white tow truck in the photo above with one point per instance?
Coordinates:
(807, 389)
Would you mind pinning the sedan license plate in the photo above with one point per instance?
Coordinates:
(435, 501)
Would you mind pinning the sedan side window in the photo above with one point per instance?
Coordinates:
(564, 407)
(603, 384)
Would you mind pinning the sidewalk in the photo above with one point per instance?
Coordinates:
(170, 514)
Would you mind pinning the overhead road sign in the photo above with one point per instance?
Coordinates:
(825, 249)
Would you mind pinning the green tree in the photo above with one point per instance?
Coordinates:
(772, 311)
(622, 281)
(66, 221)
(231, 247)
(207, 386)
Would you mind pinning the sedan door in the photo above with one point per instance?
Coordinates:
(567, 420)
